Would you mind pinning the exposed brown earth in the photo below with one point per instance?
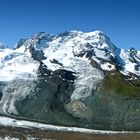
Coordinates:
(23, 133)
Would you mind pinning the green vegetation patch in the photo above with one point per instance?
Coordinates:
(114, 81)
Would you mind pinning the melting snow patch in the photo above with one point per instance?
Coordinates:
(9, 138)
(107, 66)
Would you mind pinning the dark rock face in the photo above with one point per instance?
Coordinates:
(37, 54)
(20, 43)
(0, 95)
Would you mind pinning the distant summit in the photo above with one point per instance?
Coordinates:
(3, 46)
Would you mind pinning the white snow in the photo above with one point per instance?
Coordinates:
(87, 78)
(18, 67)
(127, 62)
(101, 54)
(5, 54)
(107, 66)
(64, 48)
(9, 138)
(7, 121)
(22, 50)
(138, 54)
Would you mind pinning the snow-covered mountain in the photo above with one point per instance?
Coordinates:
(76, 44)
(71, 74)
(73, 45)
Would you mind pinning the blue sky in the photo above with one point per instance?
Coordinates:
(119, 19)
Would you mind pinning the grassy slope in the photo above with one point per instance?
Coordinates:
(115, 82)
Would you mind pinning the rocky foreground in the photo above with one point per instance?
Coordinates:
(15, 129)
(12, 133)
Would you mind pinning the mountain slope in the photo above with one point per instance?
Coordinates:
(73, 78)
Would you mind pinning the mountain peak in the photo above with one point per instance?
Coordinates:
(95, 45)
(40, 35)
(3, 46)
(97, 32)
